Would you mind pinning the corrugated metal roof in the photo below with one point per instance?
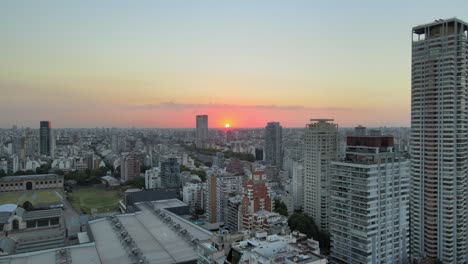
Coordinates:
(42, 214)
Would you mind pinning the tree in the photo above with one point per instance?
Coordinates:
(306, 225)
(281, 207)
(2, 173)
(184, 168)
(200, 173)
(144, 168)
(44, 169)
(137, 182)
(199, 211)
(27, 205)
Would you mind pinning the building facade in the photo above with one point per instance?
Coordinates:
(273, 143)
(439, 137)
(220, 187)
(202, 131)
(297, 176)
(30, 182)
(321, 147)
(170, 173)
(193, 195)
(153, 178)
(129, 167)
(45, 138)
(369, 218)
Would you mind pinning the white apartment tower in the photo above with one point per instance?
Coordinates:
(439, 158)
(321, 147)
(202, 131)
(369, 201)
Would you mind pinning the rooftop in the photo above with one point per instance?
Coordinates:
(80, 254)
(161, 237)
(32, 177)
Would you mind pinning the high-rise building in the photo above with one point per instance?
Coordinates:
(360, 131)
(273, 143)
(219, 188)
(129, 167)
(170, 173)
(202, 131)
(439, 137)
(369, 201)
(193, 195)
(321, 147)
(234, 214)
(297, 175)
(45, 138)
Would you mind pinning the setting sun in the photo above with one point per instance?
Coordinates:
(227, 125)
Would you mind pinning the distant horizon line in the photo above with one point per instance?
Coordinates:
(219, 128)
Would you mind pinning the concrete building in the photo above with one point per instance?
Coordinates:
(153, 178)
(193, 195)
(30, 182)
(219, 187)
(439, 137)
(270, 222)
(202, 131)
(297, 182)
(272, 249)
(129, 167)
(273, 144)
(369, 221)
(45, 138)
(321, 147)
(256, 197)
(170, 173)
(234, 214)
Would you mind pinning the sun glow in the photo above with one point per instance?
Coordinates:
(227, 125)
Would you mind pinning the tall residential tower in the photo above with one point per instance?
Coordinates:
(273, 143)
(202, 131)
(45, 138)
(439, 157)
(369, 201)
(321, 147)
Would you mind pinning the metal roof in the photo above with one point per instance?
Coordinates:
(4, 216)
(80, 254)
(162, 240)
(42, 214)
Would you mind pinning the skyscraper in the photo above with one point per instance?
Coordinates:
(45, 138)
(170, 173)
(369, 201)
(273, 143)
(321, 147)
(439, 158)
(202, 131)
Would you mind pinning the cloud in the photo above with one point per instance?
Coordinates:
(174, 105)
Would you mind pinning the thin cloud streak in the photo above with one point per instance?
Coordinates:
(174, 105)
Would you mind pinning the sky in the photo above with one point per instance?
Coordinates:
(160, 63)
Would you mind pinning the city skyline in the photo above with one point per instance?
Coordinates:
(245, 64)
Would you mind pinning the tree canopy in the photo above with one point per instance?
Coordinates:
(281, 207)
(305, 224)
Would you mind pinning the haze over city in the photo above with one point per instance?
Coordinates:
(159, 63)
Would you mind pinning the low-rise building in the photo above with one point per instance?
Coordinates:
(30, 182)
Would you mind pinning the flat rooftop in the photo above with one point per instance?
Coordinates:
(155, 236)
(80, 254)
